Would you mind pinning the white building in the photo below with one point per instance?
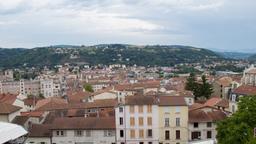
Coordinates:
(137, 121)
(80, 130)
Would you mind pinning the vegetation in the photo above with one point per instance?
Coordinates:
(239, 128)
(88, 87)
(107, 54)
(201, 90)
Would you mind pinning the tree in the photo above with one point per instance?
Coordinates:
(88, 87)
(200, 90)
(239, 128)
(191, 82)
(205, 88)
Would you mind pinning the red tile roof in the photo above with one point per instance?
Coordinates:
(202, 116)
(8, 98)
(90, 123)
(40, 130)
(172, 101)
(245, 90)
(8, 108)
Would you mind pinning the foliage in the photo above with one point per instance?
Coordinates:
(238, 129)
(88, 87)
(202, 90)
(107, 54)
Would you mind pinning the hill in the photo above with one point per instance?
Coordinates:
(235, 55)
(106, 54)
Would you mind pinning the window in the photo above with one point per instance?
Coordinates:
(209, 134)
(177, 122)
(78, 133)
(88, 133)
(149, 108)
(141, 121)
(121, 121)
(196, 135)
(132, 133)
(60, 133)
(141, 143)
(121, 133)
(140, 109)
(195, 125)
(177, 110)
(108, 133)
(132, 121)
(149, 142)
(166, 122)
(177, 134)
(121, 109)
(141, 133)
(167, 135)
(209, 124)
(131, 109)
(149, 119)
(150, 134)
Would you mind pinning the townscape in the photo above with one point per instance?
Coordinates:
(120, 104)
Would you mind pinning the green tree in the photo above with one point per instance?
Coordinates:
(205, 88)
(88, 87)
(201, 90)
(191, 82)
(238, 129)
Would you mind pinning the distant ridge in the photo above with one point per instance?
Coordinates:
(148, 55)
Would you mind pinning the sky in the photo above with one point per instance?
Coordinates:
(222, 25)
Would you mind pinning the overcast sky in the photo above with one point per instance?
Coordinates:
(225, 25)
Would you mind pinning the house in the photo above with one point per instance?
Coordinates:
(243, 90)
(83, 130)
(202, 122)
(222, 87)
(173, 120)
(8, 112)
(137, 121)
(39, 133)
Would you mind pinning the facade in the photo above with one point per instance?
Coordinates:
(82, 130)
(137, 121)
(202, 123)
(152, 120)
(173, 120)
(249, 76)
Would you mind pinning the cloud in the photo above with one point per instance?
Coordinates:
(204, 23)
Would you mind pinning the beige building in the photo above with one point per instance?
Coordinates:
(173, 120)
(8, 112)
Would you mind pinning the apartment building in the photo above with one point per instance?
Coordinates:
(173, 120)
(137, 121)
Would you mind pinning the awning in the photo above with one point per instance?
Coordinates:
(10, 132)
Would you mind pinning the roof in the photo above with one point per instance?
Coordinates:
(225, 81)
(10, 131)
(20, 120)
(245, 90)
(96, 104)
(8, 98)
(40, 130)
(33, 113)
(140, 100)
(172, 101)
(30, 101)
(200, 115)
(216, 101)
(90, 123)
(51, 104)
(8, 108)
(78, 96)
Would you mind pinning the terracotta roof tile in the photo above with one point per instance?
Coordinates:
(90, 123)
(8, 108)
(40, 130)
(245, 90)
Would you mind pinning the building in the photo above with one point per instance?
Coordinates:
(137, 121)
(8, 112)
(83, 130)
(173, 120)
(249, 76)
(202, 123)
